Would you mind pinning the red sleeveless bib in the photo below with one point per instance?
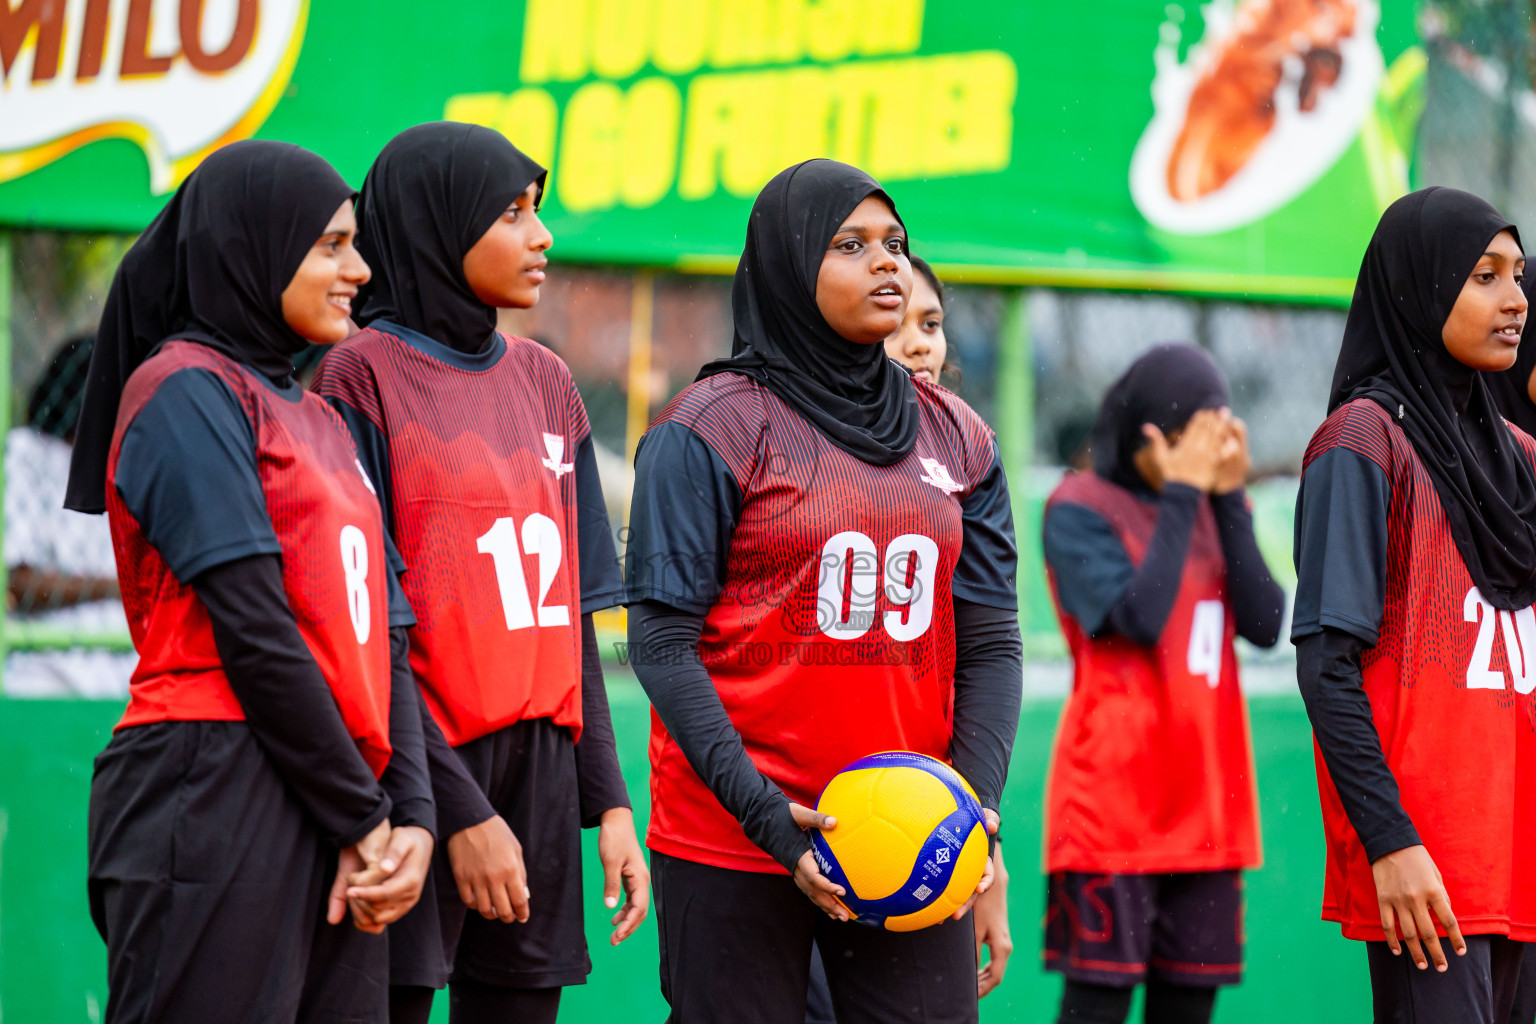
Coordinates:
(1153, 767)
(331, 533)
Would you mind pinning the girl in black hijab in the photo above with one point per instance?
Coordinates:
(855, 396)
(1512, 391)
(1416, 568)
(806, 460)
(269, 768)
(1150, 806)
(480, 448)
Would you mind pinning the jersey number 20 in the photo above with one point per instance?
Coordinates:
(1519, 631)
(541, 537)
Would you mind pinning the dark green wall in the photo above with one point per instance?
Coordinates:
(52, 963)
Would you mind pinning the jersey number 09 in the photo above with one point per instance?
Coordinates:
(846, 592)
(541, 537)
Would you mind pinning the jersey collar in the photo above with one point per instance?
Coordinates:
(472, 362)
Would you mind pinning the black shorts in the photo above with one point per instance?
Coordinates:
(1482, 987)
(208, 882)
(736, 946)
(1187, 929)
(528, 771)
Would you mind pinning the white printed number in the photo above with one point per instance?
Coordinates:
(1519, 631)
(354, 565)
(1205, 634)
(541, 537)
(849, 586)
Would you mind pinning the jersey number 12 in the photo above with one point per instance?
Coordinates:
(541, 537)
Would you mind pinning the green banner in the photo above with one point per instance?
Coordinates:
(1233, 146)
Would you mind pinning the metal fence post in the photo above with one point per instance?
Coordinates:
(5, 428)
(1016, 434)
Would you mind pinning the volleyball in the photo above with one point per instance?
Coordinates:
(910, 844)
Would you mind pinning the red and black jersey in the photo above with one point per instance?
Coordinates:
(477, 459)
(826, 585)
(328, 532)
(1153, 767)
(1448, 677)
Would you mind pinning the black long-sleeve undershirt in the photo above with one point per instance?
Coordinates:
(461, 803)
(1108, 595)
(1143, 608)
(1328, 672)
(989, 688)
(288, 705)
(1342, 516)
(407, 778)
(663, 643)
(1258, 602)
(599, 781)
(664, 653)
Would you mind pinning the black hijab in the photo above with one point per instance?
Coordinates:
(1421, 255)
(210, 268)
(861, 400)
(429, 197)
(1511, 389)
(1165, 386)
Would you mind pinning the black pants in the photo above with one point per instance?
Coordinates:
(1479, 988)
(208, 883)
(1524, 1009)
(736, 949)
(528, 771)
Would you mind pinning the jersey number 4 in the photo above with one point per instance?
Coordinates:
(1206, 631)
(1519, 629)
(541, 537)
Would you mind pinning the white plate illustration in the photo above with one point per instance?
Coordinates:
(1229, 141)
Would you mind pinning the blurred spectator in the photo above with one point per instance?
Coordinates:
(62, 571)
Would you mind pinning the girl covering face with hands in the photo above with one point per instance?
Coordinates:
(1151, 811)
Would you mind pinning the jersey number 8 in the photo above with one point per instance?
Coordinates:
(354, 566)
(541, 537)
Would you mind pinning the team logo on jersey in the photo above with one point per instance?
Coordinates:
(937, 474)
(554, 444)
(364, 474)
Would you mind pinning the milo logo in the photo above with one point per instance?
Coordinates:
(178, 77)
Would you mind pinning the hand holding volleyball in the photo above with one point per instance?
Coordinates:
(911, 848)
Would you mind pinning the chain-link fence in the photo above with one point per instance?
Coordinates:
(66, 632)
(65, 629)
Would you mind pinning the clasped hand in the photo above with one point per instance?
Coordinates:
(380, 877)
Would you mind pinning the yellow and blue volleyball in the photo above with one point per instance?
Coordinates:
(910, 843)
